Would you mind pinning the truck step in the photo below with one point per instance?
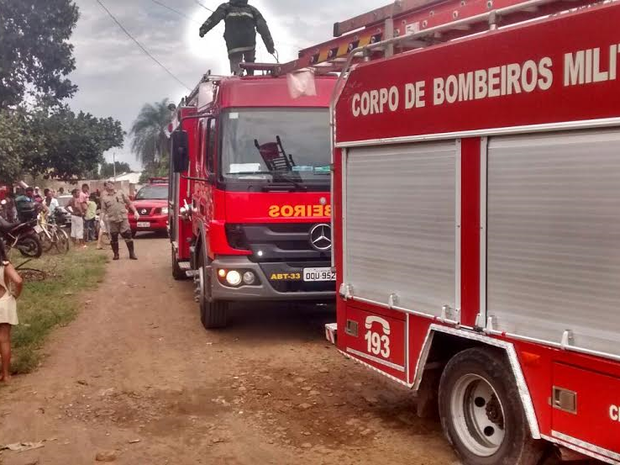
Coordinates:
(330, 332)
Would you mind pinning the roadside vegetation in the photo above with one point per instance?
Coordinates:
(51, 299)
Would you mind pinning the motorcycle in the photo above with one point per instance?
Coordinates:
(22, 236)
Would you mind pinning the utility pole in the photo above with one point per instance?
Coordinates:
(114, 164)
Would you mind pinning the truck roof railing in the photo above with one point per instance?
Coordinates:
(410, 24)
(191, 99)
(267, 67)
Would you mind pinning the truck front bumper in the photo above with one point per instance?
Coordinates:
(263, 290)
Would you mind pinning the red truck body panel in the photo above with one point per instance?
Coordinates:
(555, 74)
(541, 97)
(261, 92)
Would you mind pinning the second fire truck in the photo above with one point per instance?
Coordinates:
(250, 204)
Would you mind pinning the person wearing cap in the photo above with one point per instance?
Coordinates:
(242, 21)
(114, 205)
(37, 195)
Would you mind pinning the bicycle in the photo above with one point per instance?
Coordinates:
(52, 235)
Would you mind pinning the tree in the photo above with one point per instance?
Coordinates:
(16, 142)
(107, 169)
(36, 55)
(54, 143)
(150, 142)
(38, 135)
(156, 169)
(74, 143)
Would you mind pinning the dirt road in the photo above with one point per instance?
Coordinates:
(137, 376)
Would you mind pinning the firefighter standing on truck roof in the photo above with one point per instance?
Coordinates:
(114, 205)
(242, 22)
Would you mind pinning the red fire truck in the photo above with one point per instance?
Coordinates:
(476, 193)
(250, 202)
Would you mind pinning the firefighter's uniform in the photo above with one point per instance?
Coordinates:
(242, 21)
(114, 207)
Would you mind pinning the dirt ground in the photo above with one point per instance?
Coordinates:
(136, 376)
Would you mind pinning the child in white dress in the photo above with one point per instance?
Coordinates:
(11, 285)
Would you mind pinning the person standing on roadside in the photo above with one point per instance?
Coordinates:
(11, 285)
(85, 193)
(9, 212)
(50, 202)
(26, 205)
(114, 205)
(84, 196)
(37, 195)
(89, 219)
(78, 210)
(103, 230)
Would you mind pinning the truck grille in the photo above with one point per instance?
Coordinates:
(282, 242)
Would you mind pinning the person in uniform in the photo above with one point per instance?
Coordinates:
(114, 205)
(242, 21)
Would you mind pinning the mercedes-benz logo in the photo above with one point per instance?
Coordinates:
(321, 237)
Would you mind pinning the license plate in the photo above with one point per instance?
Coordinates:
(319, 274)
(38, 229)
(144, 225)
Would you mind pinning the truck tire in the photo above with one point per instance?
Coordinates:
(213, 314)
(177, 273)
(481, 411)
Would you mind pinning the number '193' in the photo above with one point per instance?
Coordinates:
(378, 344)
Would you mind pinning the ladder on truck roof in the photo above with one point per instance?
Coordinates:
(410, 24)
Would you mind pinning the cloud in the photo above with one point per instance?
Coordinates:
(116, 79)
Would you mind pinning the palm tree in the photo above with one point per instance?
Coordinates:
(148, 131)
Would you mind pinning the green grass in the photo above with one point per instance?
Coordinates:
(54, 302)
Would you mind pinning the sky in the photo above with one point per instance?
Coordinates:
(115, 78)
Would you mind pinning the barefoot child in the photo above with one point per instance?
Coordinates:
(10, 289)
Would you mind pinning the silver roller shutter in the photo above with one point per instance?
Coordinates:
(554, 237)
(400, 222)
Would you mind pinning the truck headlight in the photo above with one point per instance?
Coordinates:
(233, 278)
(249, 278)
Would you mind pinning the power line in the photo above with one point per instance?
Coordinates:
(180, 13)
(206, 8)
(146, 52)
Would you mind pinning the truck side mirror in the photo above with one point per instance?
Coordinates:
(180, 151)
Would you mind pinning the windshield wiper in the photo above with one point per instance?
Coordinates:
(298, 183)
(280, 179)
(249, 173)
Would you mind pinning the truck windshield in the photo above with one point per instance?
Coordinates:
(280, 145)
(153, 193)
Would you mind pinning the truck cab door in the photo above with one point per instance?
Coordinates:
(204, 191)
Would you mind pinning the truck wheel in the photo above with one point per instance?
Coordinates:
(481, 412)
(213, 314)
(177, 273)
